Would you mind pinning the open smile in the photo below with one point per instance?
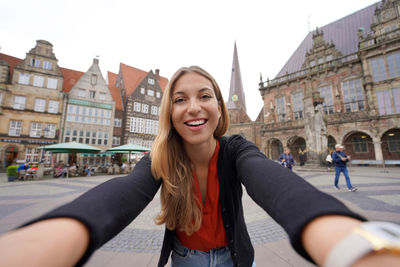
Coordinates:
(194, 123)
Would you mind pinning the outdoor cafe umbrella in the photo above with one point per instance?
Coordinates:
(129, 148)
(71, 147)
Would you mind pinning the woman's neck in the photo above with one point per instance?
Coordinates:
(201, 155)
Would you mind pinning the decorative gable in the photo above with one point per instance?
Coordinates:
(321, 51)
(386, 17)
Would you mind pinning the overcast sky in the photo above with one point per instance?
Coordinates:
(168, 34)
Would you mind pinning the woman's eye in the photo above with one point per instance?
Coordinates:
(205, 96)
(178, 100)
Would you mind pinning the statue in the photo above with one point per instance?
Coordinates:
(316, 134)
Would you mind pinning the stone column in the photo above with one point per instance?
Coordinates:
(378, 150)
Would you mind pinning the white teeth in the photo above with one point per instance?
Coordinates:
(195, 123)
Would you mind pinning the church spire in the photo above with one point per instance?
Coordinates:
(236, 93)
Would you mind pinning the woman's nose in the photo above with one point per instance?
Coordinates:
(194, 106)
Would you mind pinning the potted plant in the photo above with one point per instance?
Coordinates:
(12, 173)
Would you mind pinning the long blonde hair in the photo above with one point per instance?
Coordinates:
(179, 205)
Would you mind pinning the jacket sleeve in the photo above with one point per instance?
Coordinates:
(290, 200)
(109, 207)
(336, 158)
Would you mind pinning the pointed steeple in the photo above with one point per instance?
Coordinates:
(236, 93)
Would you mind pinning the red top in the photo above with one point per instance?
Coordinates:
(212, 232)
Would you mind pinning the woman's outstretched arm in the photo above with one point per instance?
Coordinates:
(323, 233)
(52, 242)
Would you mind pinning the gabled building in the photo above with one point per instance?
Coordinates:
(31, 103)
(240, 122)
(341, 85)
(141, 93)
(89, 114)
(119, 109)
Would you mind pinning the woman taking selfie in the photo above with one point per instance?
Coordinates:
(201, 174)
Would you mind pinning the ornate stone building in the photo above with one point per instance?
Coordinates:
(141, 94)
(341, 85)
(31, 103)
(89, 113)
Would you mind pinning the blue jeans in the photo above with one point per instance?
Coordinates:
(186, 257)
(338, 170)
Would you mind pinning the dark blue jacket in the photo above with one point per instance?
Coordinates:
(22, 167)
(288, 159)
(337, 159)
(290, 200)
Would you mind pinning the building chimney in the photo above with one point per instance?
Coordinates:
(157, 74)
(96, 61)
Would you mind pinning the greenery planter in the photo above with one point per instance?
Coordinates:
(12, 173)
(12, 178)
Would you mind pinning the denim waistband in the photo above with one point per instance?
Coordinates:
(181, 249)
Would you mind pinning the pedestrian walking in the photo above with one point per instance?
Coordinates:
(201, 173)
(329, 160)
(286, 159)
(340, 160)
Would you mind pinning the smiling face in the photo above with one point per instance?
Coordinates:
(195, 109)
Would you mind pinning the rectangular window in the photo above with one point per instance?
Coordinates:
(150, 81)
(378, 69)
(353, 95)
(145, 108)
(23, 78)
(393, 60)
(158, 95)
(40, 105)
(15, 128)
(360, 144)
(38, 81)
(142, 90)
(388, 101)
(136, 106)
(1, 99)
(93, 79)
(19, 102)
(47, 65)
(53, 106)
(50, 131)
(52, 83)
(280, 108)
(102, 96)
(92, 94)
(154, 110)
(36, 129)
(150, 92)
(394, 142)
(326, 93)
(32, 154)
(117, 122)
(298, 105)
(35, 62)
(81, 93)
(116, 140)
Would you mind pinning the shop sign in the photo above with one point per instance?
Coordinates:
(30, 141)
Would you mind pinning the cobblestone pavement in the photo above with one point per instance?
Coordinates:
(378, 198)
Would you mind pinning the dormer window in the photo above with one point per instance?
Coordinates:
(150, 81)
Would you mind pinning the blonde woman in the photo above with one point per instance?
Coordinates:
(201, 174)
